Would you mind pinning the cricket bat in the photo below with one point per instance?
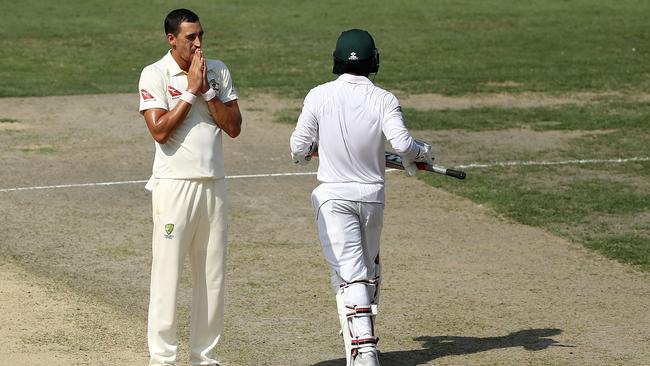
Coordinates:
(395, 161)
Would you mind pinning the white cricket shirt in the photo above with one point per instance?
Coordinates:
(194, 149)
(349, 117)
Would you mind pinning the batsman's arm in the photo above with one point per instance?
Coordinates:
(304, 139)
(395, 131)
(400, 139)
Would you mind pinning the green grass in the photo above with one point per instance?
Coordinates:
(553, 201)
(603, 115)
(592, 204)
(44, 149)
(442, 46)
(599, 205)
(628, 247)
(287, 116)
(601, 213)
(452, 47)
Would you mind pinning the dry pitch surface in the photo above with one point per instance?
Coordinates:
(461, 285)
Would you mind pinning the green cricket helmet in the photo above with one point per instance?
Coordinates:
(355, 52)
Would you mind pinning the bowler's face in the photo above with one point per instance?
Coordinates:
(188, 40)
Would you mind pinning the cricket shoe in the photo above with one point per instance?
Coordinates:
(369, 358)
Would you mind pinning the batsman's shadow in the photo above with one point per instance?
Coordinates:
(441, 346)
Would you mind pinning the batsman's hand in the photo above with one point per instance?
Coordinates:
(409, 167)
(305, 159)
(425, 155)
(300, 159)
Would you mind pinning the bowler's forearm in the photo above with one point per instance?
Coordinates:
(226, 115)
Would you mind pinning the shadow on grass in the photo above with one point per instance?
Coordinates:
(441, 346)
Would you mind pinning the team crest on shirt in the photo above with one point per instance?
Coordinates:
(173, 92)
(146, 95)
(214, 85)
(212, 80)
(169, 229)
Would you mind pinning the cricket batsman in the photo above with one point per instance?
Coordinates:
(344, 123)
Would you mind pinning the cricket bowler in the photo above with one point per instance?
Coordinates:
(344, 122)
(187, 102)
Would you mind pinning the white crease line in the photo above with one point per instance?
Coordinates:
(466, 166)
(268, 175)
(565, 162)
(75, 185)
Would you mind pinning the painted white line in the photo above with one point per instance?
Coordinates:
(465, 166)
(564, 162)
(268, 175)
(75, 185)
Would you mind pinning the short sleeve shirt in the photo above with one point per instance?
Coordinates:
(194, 149)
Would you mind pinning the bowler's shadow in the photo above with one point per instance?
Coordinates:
(441, 346)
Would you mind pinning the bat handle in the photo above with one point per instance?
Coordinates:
(455, 173)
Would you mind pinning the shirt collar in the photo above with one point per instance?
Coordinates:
(354, 79)
(171, 64)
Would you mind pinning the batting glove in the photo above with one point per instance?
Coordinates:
(305, 159)
(426, 153)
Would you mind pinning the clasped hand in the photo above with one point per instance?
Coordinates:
(197, 80)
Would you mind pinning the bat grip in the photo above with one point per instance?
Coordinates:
(455, 173)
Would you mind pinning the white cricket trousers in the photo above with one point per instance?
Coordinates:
(189, 216)
(350, 233)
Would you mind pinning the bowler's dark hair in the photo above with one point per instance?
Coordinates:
(176, 17)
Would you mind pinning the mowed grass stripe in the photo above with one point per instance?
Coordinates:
(72, 47)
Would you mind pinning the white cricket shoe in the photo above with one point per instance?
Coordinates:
(369, 358)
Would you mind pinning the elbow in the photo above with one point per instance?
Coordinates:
(235, 128)
(234, 131)
(405, 147)
(160, 137)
